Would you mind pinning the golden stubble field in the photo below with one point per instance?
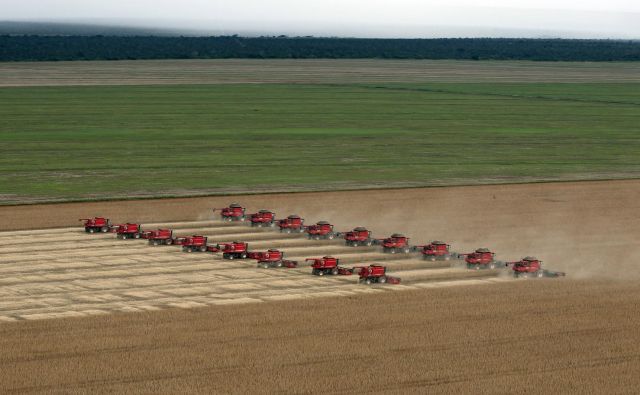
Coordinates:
(578, 334)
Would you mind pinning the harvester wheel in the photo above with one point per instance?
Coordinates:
(320, 272)
(203, 248)
(382, 280)
(492, 265)
(447, 257)
(231, 256)
(331, 236)
(91, 230)
(168, 242)
(265, 265)
(540, 273)
(272, 224)
(432, 258)
(368, 243)
(156, 242)
(354, 244)
(279, 264)
(301, 230)
(368, 281)
(335, 271)
(188, 249)
(136, 235)
(392, 250)
(287, 230)
(104, 229)
(406, 250)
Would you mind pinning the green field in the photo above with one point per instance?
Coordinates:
(114, 141)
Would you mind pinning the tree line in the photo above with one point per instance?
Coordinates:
(57, 48)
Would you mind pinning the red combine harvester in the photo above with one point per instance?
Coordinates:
(359, 237)
(97, 224)
(234, 212)
(482, 258)
(396, 243)
(531, 267)
(292, 223)
(436, 251)
(129, 231)
(375, 274)
(263, 218)
(196, 243)
(159, 236)
(327, 265)
(234, 250)
(272, 258)
(321, 230)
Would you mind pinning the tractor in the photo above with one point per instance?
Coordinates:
(359, 237)
(436, 251)
(396, 243)
(272, 258)
(531, 267)
(327, 265)
(129, 231)
(97, 224)
(292, 223)
(234, 212)
(195, 243)
(234, 250)
(263, 218)
(374, 274)
(321, 230)
(482, 258)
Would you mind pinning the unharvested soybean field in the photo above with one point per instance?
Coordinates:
(74, 142)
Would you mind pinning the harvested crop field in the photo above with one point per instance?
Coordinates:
(442, 330)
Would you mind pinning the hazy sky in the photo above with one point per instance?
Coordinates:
(367, 18)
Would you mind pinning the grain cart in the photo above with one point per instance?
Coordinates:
(195, 243)
(396, 243)
(482, 258)
(321, 230)
(263, 218)
(292, 223)
(373, 274)
(531, 267)
(97, 224)
(234, 250)
(234, 212)
(327, 265)
(359, 237)
(436, 251)
(129, 231)
(272, 258)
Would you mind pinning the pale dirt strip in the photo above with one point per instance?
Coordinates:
(316, 71)
(69, 273)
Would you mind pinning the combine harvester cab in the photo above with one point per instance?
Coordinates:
(482, 258)
(321, 230)
(263, 218)
(327, 265)
(291, 224)
(396, 243)
(375, 274)
(529, 267)
(359, 236)
(436, 251)
(159, 237)
(233, 250)
(272, 258)
(97, 224)
(234, 212)
(129, 231)
(195, 243)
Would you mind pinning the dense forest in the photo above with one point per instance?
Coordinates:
(52, 48)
